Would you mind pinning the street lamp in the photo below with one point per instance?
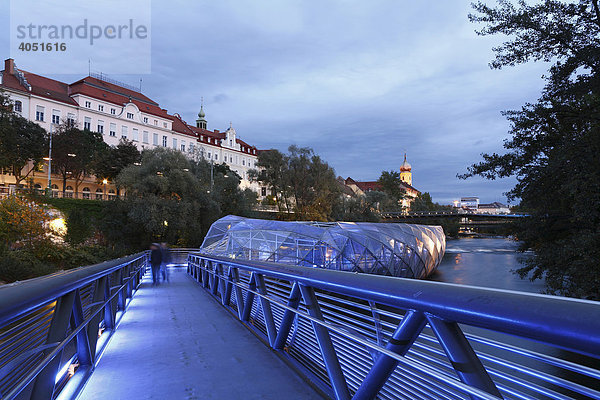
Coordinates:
(50, 161)
(104, 181)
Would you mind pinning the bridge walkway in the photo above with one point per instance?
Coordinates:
(175, 342)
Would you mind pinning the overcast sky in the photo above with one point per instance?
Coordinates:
(359, 82)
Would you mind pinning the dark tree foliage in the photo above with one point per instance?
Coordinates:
(555, 142)
(424, 202)
(171, 198)
(305, 186)
(75, 152)
(356, 209)
(21, 141)
(391, 186)
(113, 159)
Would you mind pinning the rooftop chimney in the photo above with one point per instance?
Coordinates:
(9, 66)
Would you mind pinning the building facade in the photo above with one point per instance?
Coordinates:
(117, 110)
(360, 188)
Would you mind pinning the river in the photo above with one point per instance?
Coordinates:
(484, 262)
(489, 263)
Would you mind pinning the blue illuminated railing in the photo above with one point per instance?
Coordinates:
(366, 336)
(54, 328)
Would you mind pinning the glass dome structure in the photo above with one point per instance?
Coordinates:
(392, 249)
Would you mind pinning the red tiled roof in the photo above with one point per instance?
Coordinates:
(374, 185)
(40, 86)
(368, 186)
(179, 125)
(115, 94)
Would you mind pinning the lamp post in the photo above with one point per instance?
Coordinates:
(104, 181)
(50, 162)
(212, 179)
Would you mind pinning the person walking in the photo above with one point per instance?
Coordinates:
(156, 259)
(166, 260)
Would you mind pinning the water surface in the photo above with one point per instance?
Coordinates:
(484, 262)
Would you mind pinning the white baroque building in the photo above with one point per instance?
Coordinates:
(120, 111)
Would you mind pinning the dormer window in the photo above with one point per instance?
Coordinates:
(100, 107)
(113, 111)
(88, 104)
(145, 120)
(230, 143)
(129, 115)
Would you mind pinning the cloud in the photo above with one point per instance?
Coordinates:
(360, 82)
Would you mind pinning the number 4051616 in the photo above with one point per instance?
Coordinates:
(26, 46)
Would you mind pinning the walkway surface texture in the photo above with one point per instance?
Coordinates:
(176, 342)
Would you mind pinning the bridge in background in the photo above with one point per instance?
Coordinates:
(467, 222)
(225, 328)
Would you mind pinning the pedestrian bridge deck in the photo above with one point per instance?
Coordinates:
(175, 342)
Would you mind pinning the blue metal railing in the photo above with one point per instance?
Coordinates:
(367, 336)
(53, 328)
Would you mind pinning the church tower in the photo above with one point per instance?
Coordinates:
(405, 172)
(201, 121)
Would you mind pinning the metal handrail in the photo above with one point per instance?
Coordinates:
(431, 330)
(80, 304)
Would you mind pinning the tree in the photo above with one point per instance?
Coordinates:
(424, 202)
(391, 185)
(113, 159)
(171, 198)
(21, 141)
(22, 222)
(554, 142)
(74, 152)
(273, 171)
(301, 181)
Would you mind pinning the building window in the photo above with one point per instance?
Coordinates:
(101, 127)
(175, 143)
(88, 104)
(98, 194)
(164, 141)
(100, 107)
(230, 143)
(124, 132)
(113, 111)
(244, 162)
(145, 120)
(191, 147)
(129, 115)
(182, 145)
(113, 130)
(86, 193)
(216, 156)
(56, 117)
(145, 136)
(136, 135)
(156, 122)
(208, 154)
(70, 119)
(155, 139)
(18, 106)
(87, 123)
(164, 124)
(39, 113)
